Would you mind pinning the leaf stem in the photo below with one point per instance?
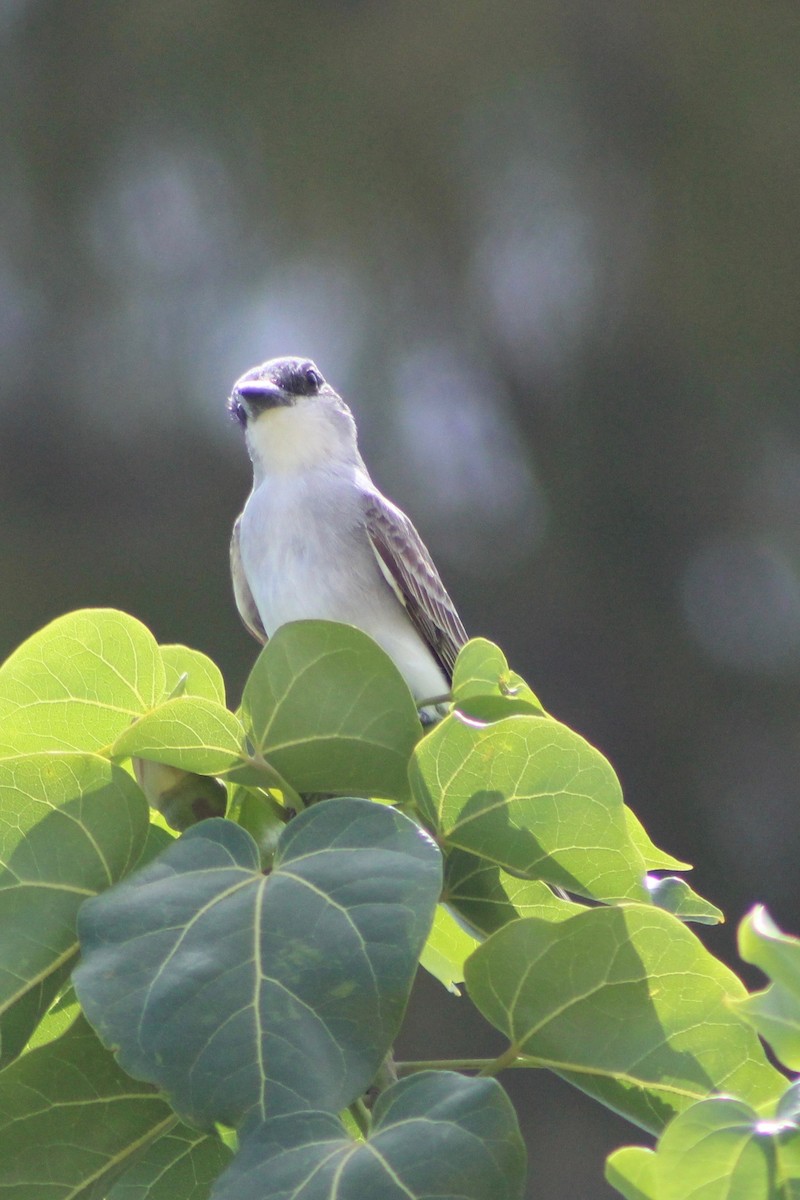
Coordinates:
(273, 779)
(486, 1066)
(507, 1059)
(360, 1114)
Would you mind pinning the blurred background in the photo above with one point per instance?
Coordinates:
(549, 252)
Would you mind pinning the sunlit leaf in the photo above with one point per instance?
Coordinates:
(654, 859)
(481, 670)
(77, 683)
(718, 1150)
(188, 732)
(447, 949)
(775, 1011)
(435, 1134)
(530, 796)
(203, 676)
(626, 1003)
(330, 711)
(631, 1171)
(70, 826)
(674, 895)
(240, 993)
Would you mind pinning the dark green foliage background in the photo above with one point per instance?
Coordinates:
(396, 142)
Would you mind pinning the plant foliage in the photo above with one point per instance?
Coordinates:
(211, 920)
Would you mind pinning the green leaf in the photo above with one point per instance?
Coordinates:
(631, 1170)
(180, 1165)
(77, 683)
(627, 1004)
(71, 1120)
(715, 1150)
(57, 1020)
(447, 949)
(220, 984)
(488, 898)
(70, 826)
(188, 732)
(674, 895)
(775, 1011)
(330, 711)
(203, 676)
(654, 859)
(481, 670)
(435, 1134)
(530, 796)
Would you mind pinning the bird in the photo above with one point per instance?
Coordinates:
(317, 539)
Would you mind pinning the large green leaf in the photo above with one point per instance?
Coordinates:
(71, 1120)
(487, 897)
(775, 1011)
(240, 993)
(78, 682)
(627, 1004)
(188, 732)
(435, 1134)
(533, 797)
(330, 711)
(70, 826)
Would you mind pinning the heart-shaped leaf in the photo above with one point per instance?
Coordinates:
(220, 984)
(433, 1134)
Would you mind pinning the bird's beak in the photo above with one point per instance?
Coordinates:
(258, 394)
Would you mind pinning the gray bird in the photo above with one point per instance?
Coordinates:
(316, 539)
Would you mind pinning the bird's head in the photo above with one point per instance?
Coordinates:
(292, 418)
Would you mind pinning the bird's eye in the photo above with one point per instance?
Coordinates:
(313, 379)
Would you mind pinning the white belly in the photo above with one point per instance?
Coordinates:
(306, 555)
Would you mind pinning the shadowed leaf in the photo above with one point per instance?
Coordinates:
(240, 993)
(435, 1134)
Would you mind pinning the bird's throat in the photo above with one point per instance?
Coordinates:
(286, 440)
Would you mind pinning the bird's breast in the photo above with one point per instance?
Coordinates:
(305, 552)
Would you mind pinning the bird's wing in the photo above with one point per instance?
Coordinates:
(409, 569)
(241, 590)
